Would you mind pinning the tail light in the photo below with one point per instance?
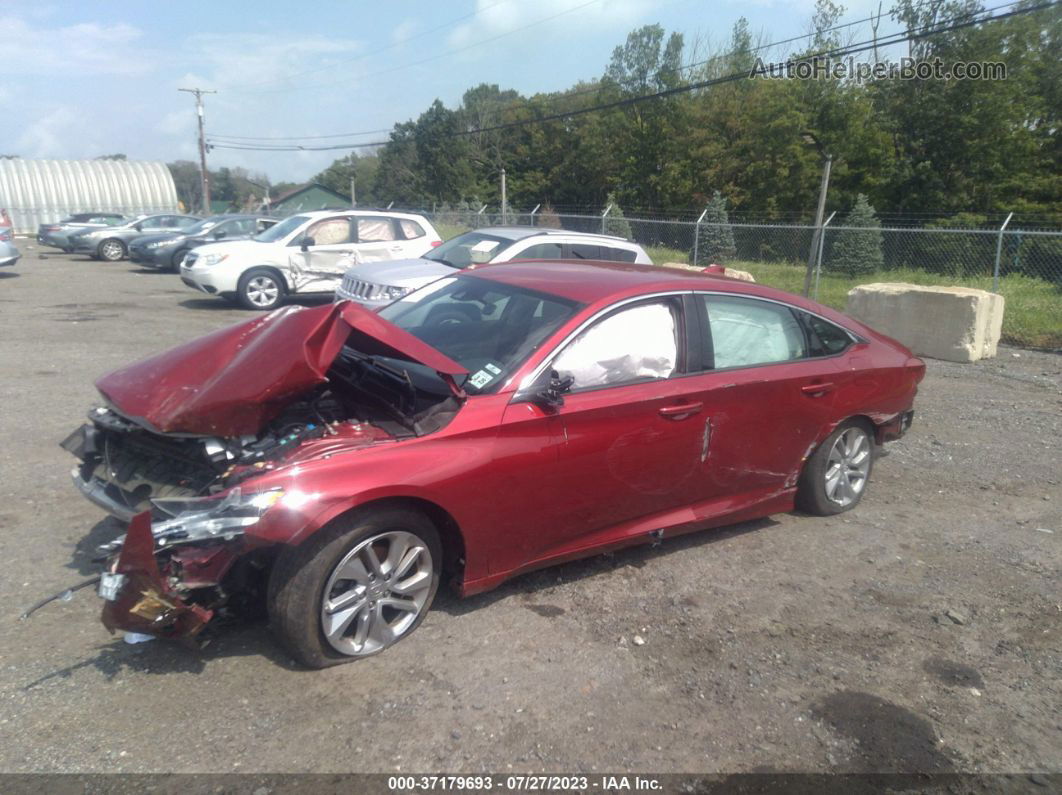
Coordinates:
(436, 243)
(917, 368)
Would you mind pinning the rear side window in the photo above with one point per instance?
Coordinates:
(540, 251)
(824, 338)
(747, 332)
(411, 229)
(585, 251)
(618, 254)
(375, 230)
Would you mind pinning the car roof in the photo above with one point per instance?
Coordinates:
(590, 281)
(358, 211)
(524, 232)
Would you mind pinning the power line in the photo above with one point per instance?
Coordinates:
(429, 59)
(569, 94)
(930, 29)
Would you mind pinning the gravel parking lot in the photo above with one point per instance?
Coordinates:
(920, 632)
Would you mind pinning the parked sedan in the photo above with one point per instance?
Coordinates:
(57, 235)
(112, 243)
(166, 251)
(345, 462)
(9, 255)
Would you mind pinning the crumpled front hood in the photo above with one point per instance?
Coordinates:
(233, 381)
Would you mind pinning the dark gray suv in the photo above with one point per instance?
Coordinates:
(167, 250)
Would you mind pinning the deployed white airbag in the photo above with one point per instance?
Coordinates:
(634, 344)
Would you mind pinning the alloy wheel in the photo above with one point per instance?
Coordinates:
(111, 250)
(847, 467)
(376, 593)
(262, 291)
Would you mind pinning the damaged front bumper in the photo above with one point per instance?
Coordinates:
(164, 578)
(137, 598)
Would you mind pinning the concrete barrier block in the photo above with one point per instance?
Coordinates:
(715, 270)
(957, 324)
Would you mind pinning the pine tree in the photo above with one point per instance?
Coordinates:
(615, 222)
(715, 236)
(858, 248)
(548, 217)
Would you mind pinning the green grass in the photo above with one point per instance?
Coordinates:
(1032, 316)
(447, 231)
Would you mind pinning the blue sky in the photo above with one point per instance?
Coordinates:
(81, 79)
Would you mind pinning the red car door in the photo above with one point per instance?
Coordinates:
(631, 429)
(767, 396)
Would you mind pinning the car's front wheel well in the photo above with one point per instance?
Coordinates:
(453, 542)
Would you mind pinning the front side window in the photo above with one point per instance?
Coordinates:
(746, 332)
(282, 230)
(375, 230)
(640, 343)
(180, 221)
(330, 232)
(468, 249)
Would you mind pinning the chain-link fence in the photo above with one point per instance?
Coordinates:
(1025, 266)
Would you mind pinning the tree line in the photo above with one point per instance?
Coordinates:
(913, 147)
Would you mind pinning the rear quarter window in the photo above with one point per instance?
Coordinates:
(411, 229)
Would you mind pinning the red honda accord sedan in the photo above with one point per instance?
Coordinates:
(339, 462)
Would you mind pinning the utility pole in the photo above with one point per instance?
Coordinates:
(817, 234)
(204, 177)
(504, 202)
(353, 194)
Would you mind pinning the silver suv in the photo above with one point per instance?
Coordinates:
(378, 283)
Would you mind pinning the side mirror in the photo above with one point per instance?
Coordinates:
(548, 390)
(219, 233)
(306, 243)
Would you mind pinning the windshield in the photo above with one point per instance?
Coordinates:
(203, 225)
(487, 327)
(469, 248)
(282, 230)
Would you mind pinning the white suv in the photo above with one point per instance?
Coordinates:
(377, 284)
(306, 253)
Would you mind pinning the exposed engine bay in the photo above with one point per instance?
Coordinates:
(126, 465)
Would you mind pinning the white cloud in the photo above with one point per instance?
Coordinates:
(494, 18)
(73, 50)
(403, 30)
(49, 135)
(262, 61)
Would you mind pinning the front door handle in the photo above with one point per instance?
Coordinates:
(681, 411)
(816, 390)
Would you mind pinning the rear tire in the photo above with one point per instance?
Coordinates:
(261, 288)
(328, 607)
(835, 478)
(111, 250)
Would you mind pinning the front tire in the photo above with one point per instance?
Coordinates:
(261, 288)
(358, 587)
(836, 476)
(111, 250)
(176, 259)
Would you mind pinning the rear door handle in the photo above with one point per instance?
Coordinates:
(681, 411)
(815, 390)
